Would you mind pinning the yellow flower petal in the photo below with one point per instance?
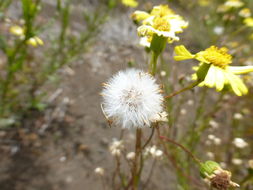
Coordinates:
(237, 84)
(240, 69)
(220, 79)
(248, 21)
(17, 30)
(140, 16)
(210, 77)
(200, 57)
(130, 3)
(35, 41)
(182, 53)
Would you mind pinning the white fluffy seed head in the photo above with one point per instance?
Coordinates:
(132, 98)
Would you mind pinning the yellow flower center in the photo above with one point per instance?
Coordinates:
(218, 57)
(162, 10)
(161, 24)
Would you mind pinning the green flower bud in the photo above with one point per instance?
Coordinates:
(208, 168)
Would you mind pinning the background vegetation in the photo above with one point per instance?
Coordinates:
(41, 43)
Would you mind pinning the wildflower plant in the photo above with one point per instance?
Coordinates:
(157, 28)
(123, 95)
(214, 69)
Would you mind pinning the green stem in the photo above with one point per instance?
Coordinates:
(153, 63)
(136, 174)
(192, 85)
(10, 73)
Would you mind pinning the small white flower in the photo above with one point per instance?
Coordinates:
(210, 155)
(183, 111)
(153, 151)
(223, 164)
(238, 116)
(63, 159)
(130, 156)
(213, 124)
(240, 143)
(132, 99)
(250, 163)
(116, 147)
(163, 73)
(211, 137)
(218, 30)
(158, 153)
(217, 141)
(190, 102)
(236, 161)
(99, 171)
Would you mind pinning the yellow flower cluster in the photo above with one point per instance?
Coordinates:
(204, 3)
(19, 31)
(130, 3)
(229, 4)
(161, 21)
(245, 12)
(248, 21)
(217, 72)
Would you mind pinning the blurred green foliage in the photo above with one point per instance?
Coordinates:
(25, 68)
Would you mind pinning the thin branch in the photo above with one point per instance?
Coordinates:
(182, 147)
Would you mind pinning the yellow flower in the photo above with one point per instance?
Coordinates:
(228, 5)
(214, 63)
(130, 3)
(204, 3)
(17, 30)
(35, 41)
(245, 13)
(162, 10)
(248, 21)
(161, 21)
(140, 16)
(234, 3)
(223, 8)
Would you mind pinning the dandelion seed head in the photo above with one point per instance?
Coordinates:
(132, 99)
